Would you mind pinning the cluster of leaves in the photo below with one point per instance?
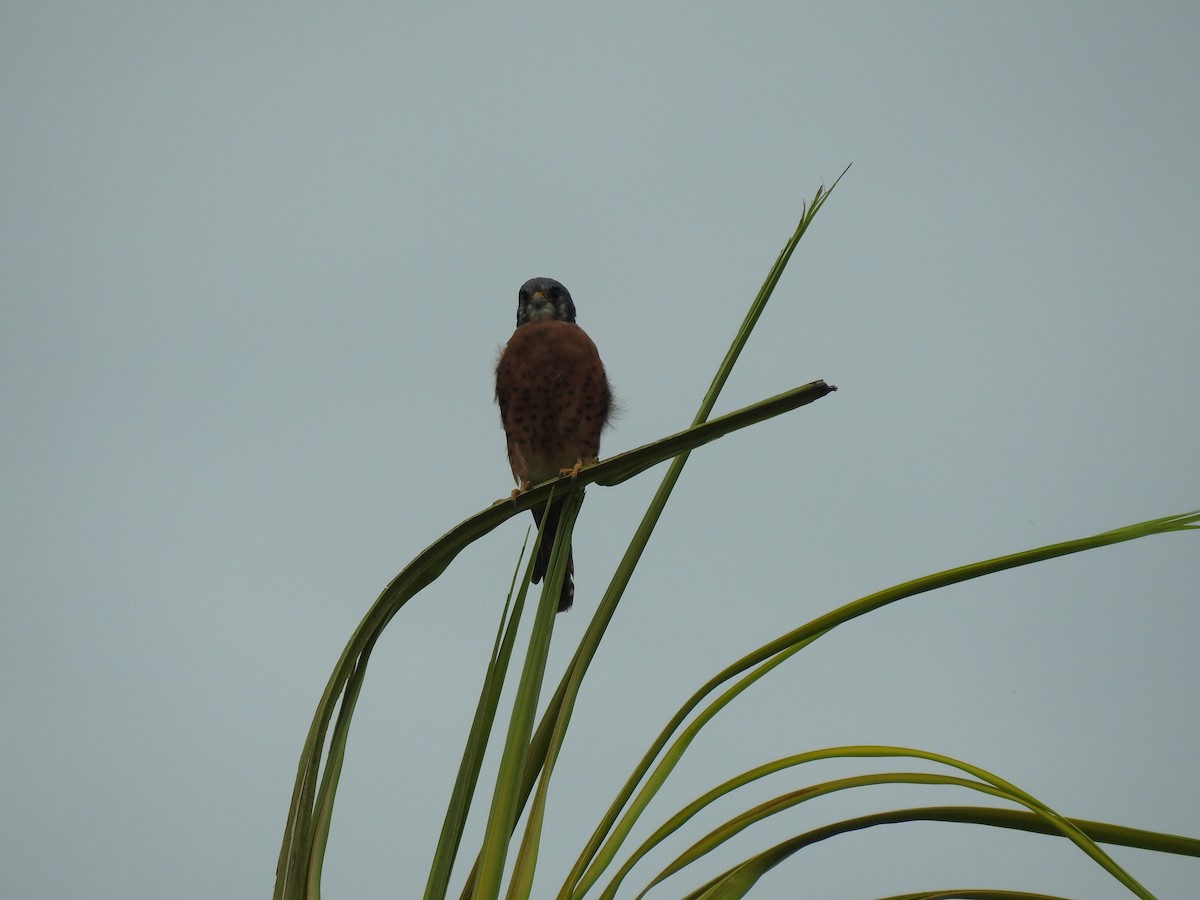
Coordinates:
(530, 753)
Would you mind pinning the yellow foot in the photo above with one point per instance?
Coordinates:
(573, 472)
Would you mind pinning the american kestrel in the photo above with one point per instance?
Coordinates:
(554, 401)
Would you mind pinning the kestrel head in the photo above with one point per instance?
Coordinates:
(544, 298)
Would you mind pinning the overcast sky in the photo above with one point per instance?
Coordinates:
(257, 262)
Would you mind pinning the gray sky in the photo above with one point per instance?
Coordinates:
(258, 259)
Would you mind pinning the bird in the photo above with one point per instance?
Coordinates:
(554, 399)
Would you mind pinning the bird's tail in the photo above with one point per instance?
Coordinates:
(547, 519)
